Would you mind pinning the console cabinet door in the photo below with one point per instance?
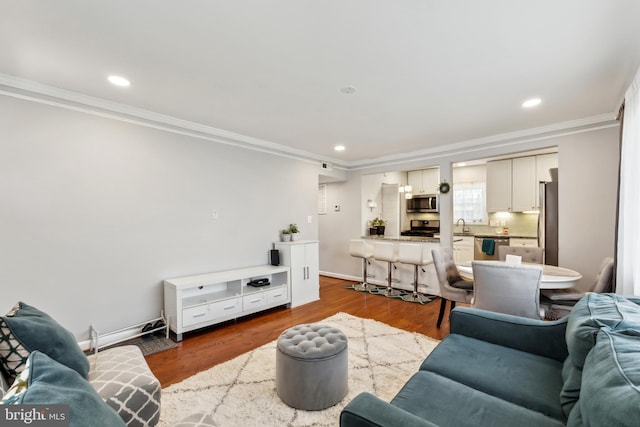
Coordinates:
(303, 259)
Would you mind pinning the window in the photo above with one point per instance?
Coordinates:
(322, 199)
(470, 202)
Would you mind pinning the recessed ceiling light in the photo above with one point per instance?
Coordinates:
(531, 102)
(119, 81)
(348, 90)
(339, 148)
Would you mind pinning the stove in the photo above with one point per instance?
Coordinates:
(423, 228)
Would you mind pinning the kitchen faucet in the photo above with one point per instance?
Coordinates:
(464, 225)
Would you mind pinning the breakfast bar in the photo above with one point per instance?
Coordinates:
(403, 273)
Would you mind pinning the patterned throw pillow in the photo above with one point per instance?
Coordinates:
(25, 329)
(43, 381)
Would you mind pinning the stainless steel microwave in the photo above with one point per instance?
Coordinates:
(423, 203)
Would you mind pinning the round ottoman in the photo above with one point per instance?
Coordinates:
(311, 366)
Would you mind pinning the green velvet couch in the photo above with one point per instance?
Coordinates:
(501, 370)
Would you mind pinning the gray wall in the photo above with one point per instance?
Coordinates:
(588, 165)
(96, 212)
(588, 186)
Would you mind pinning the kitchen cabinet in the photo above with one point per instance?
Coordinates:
(544, 163)
(194, 302)
(424, 181)
(513, 184)
(499, 183)
(523, 241)
(524, 183)
(462, 248)
(303, 258)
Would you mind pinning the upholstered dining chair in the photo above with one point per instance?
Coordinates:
(558, 303)
(507, 288)
(528, 253)
(452, 287)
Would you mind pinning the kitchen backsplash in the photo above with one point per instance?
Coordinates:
(518, 223)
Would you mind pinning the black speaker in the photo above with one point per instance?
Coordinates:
(275, 256)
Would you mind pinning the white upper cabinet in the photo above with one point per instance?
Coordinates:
(513, 184)
(424, 181)
(544, 162)
(523, 191)
(499, 186)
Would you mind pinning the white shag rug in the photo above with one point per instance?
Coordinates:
(242, 391)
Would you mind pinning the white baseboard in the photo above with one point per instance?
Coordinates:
(340, 276)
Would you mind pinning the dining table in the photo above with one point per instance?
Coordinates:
(553, 277)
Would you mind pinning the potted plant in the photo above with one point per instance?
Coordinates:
(293, 231)
(285, 235)
(379, 224)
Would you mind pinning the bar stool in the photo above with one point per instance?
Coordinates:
(387, 252)
(411, 253)
(361, 248)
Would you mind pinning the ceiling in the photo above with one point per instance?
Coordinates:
(427, 73)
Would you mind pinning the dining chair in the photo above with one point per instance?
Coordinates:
(507, 288)
(558, 303)
(528, 253)
(452, 287)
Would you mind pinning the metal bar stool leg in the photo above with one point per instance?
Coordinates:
(415, 296)
(364, 286)
(389, 291)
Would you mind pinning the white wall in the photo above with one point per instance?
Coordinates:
(97, 212)
(337, 228)
(588, 186)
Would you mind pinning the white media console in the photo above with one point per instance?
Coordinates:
(194, 302)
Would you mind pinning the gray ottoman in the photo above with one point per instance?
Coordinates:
(311, 366)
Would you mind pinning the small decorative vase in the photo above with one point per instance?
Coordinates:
(294, 236)
(381, 230)
(285, 237)
(373, 231)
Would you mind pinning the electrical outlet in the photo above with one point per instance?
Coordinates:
(309, 219)
(214, 215)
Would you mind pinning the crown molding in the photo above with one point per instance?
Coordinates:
(50, 95)
(511, 139)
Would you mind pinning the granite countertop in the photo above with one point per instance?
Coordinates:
(494, 236)
(404, 238)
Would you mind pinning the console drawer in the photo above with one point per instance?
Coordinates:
(226, 307)
(208, 312)
(255, 300)
(198, 314)
(279, 295)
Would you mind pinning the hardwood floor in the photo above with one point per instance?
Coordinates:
(204, 349)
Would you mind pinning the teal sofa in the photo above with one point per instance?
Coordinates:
(501, 370)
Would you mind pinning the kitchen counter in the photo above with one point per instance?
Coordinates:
(494, 236)
(417, 239)
(405, 238)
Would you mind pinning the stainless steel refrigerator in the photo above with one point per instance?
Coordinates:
(548, 221)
